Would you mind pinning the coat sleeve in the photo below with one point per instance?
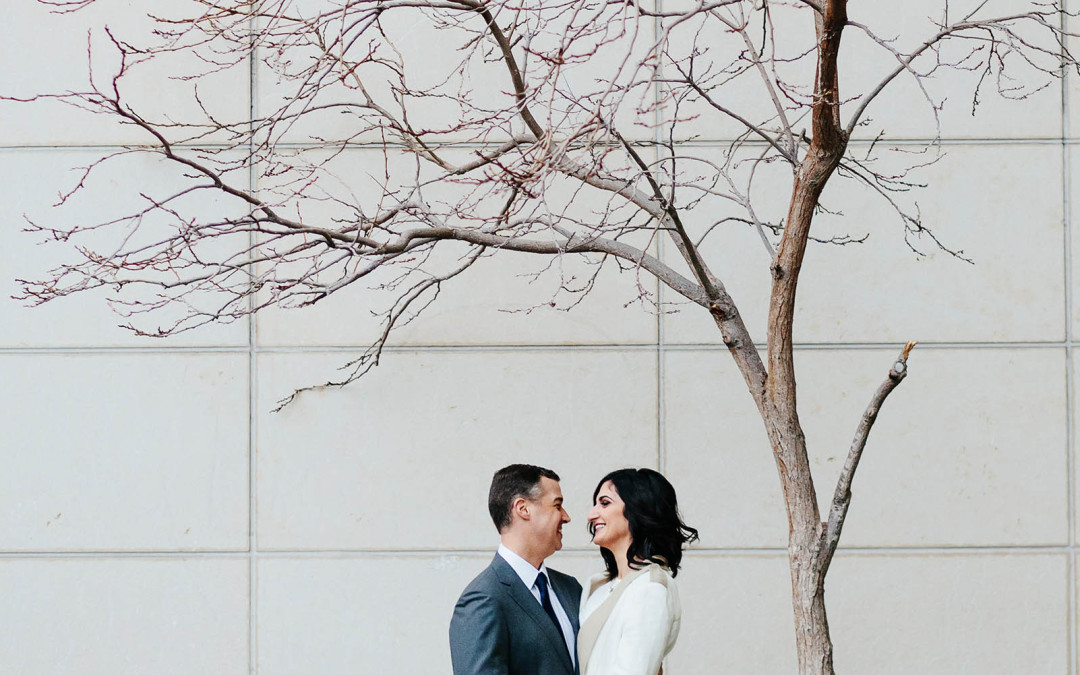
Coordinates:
(646, 622)
(479, 641)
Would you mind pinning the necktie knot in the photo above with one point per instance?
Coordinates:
(541, 583)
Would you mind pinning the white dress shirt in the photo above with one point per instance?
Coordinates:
(528, 575)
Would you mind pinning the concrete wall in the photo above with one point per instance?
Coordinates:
(156, 517)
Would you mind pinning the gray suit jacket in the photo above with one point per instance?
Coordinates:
(499, 628)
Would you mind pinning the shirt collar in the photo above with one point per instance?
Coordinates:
(525, 571)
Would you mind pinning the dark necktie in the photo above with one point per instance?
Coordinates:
(545, 600)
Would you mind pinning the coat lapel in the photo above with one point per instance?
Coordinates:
(568, 598)
(524, 599)
(590, 630)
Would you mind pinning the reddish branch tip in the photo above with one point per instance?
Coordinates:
(907, 350)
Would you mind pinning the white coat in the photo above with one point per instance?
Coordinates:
(628, 630)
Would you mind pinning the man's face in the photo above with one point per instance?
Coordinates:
(548, 516)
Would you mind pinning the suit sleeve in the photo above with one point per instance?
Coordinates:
(645, 631)
(479, 641)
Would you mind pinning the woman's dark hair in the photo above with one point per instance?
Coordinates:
(657, 532)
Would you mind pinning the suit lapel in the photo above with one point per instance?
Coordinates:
(567, 597)
(524, 599)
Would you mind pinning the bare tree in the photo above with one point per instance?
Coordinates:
(493, 120)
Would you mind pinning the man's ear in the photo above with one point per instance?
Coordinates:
(521, 508)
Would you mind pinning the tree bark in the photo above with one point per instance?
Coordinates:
(805, 529)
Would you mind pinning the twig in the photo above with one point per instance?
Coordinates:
(842, 498)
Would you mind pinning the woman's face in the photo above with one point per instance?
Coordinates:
(611, 529)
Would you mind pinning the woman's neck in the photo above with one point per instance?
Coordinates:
(621, 562)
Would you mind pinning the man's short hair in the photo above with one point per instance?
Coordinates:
(511, 482)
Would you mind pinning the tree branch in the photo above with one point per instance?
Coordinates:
(842, 497)
(905, 60)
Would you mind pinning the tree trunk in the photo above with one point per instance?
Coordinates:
(806, 531)
(805, 538)
(812, 639)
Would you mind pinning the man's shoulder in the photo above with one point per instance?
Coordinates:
(484, 582)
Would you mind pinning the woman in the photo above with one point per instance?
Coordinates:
(630, 613)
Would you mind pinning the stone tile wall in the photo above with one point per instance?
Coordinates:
(156, 517)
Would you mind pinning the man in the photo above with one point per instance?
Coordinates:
(518, 617)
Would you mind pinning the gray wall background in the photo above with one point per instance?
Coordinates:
(156, 517)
